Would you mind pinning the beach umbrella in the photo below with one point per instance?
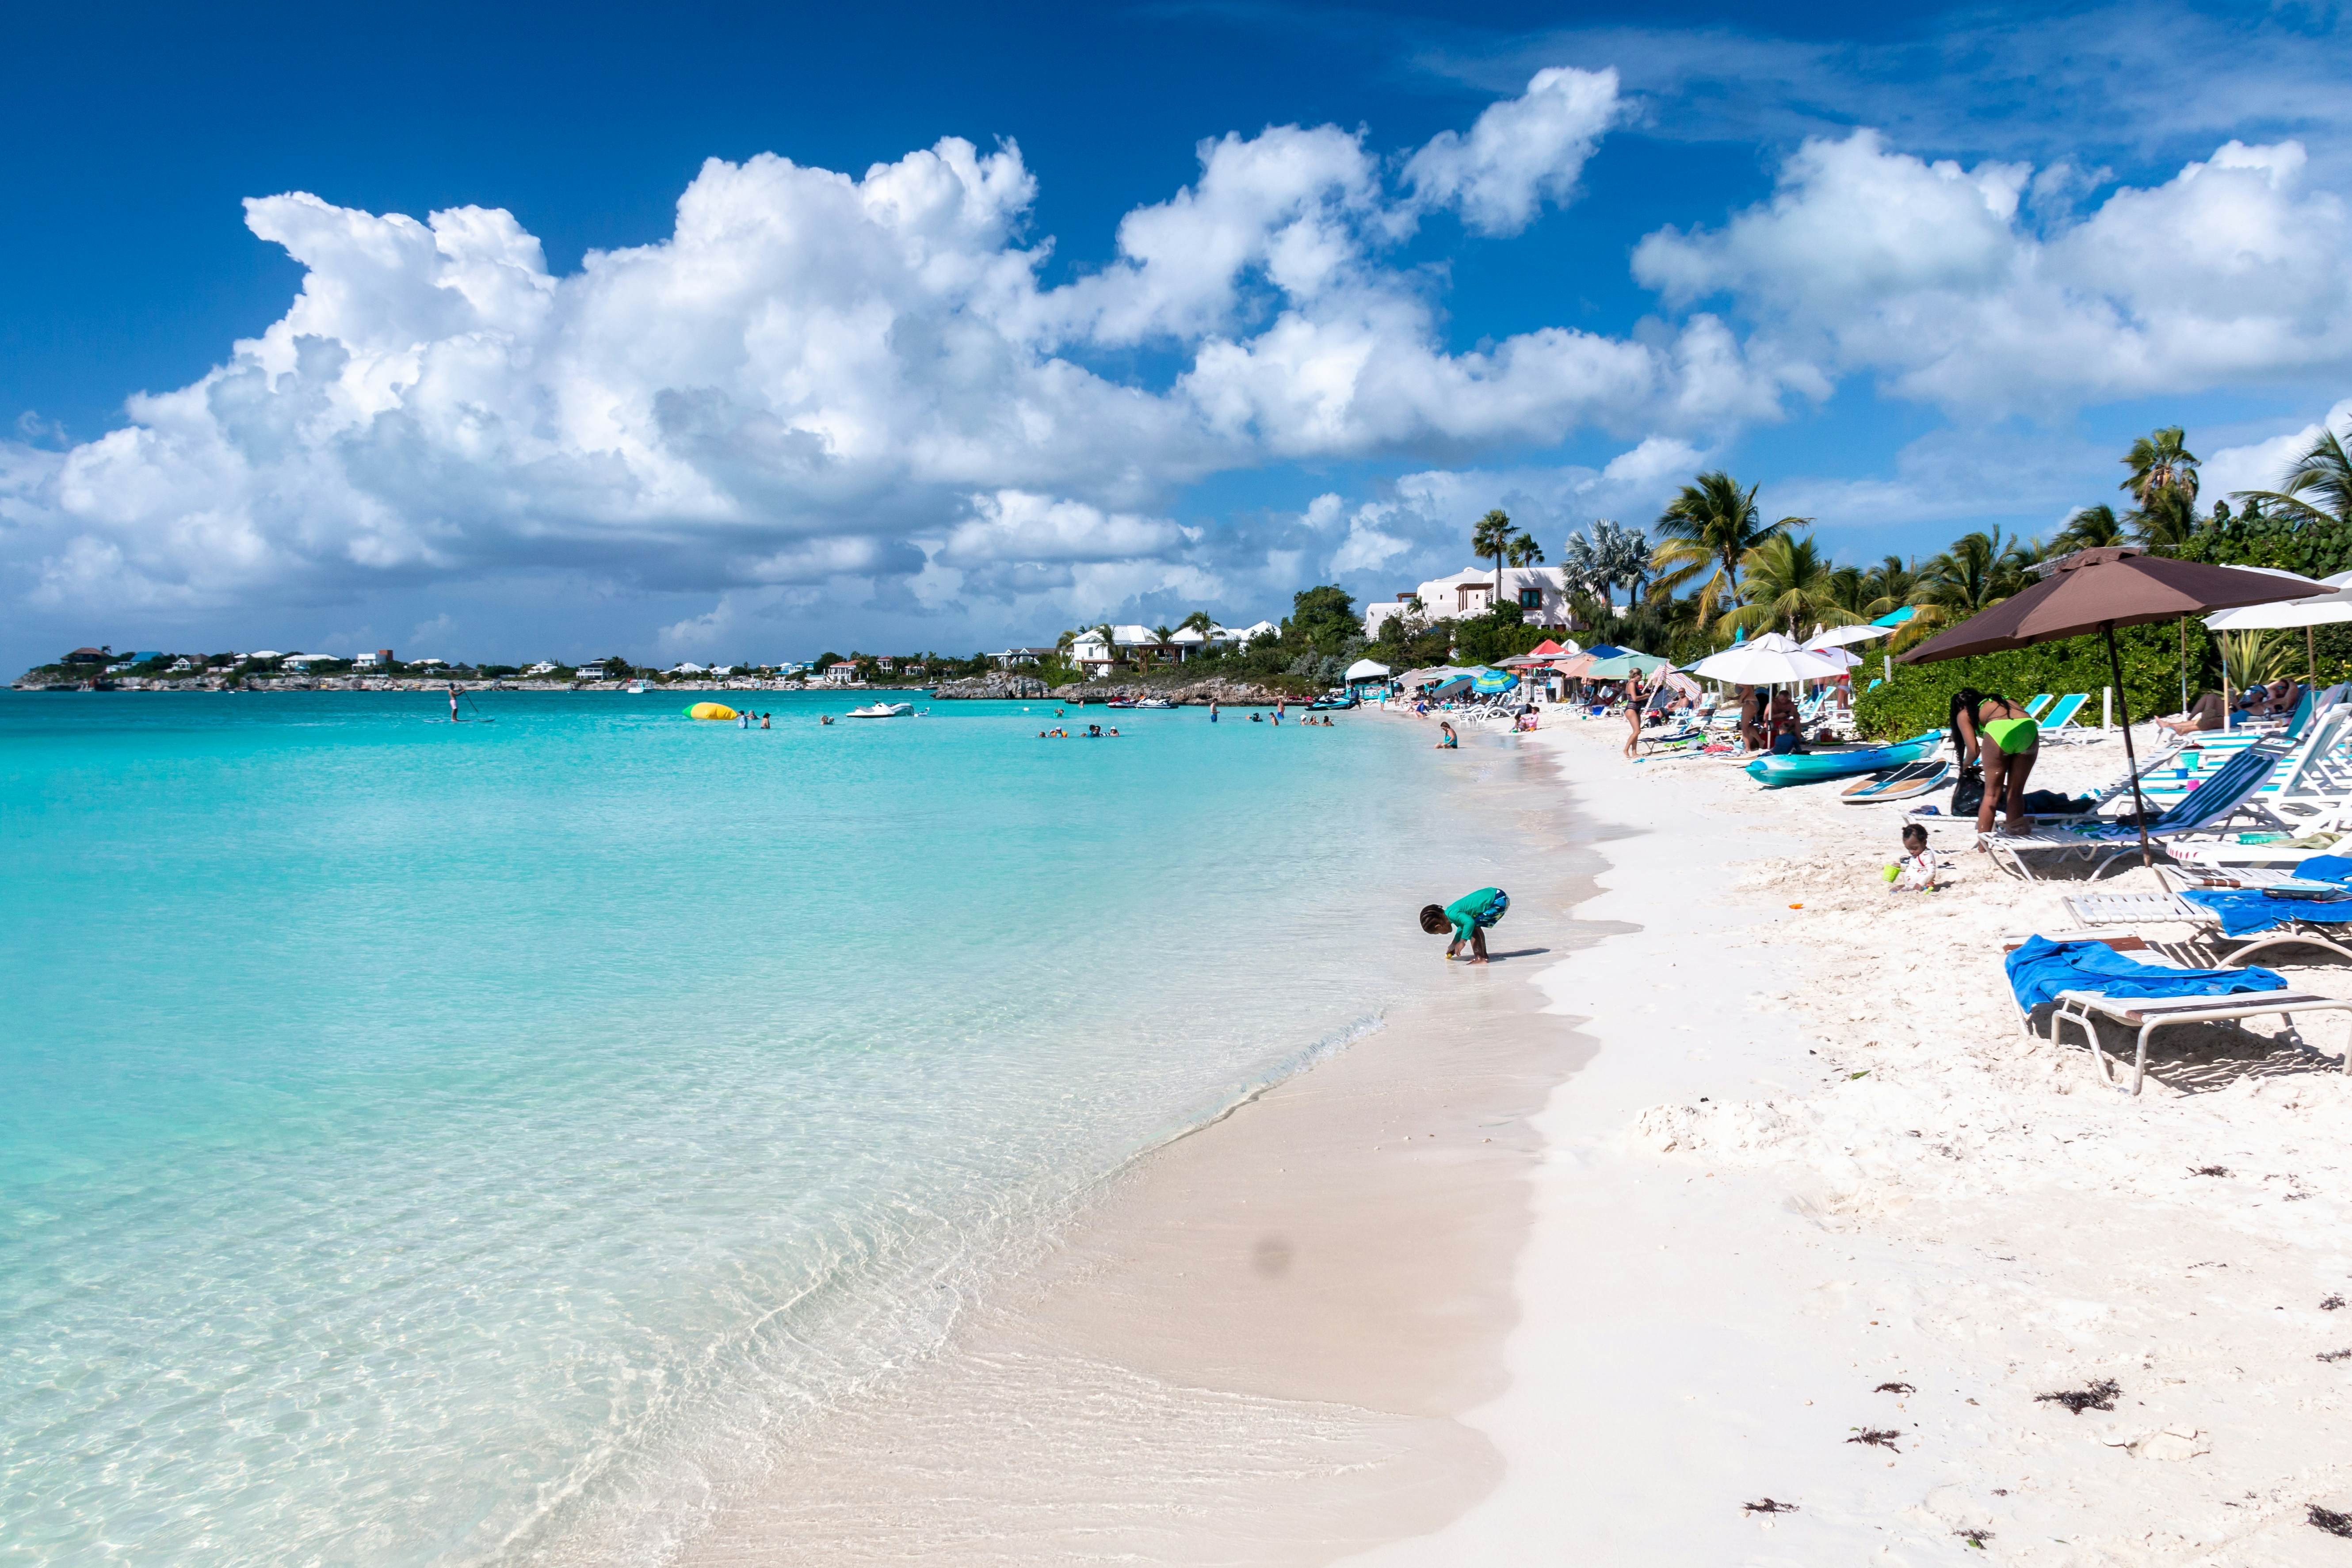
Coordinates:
(2099, 590)
(1894, 618)
(1486, 681)
(1365, 669)
(2304, 613)
(1625, 664)
(1838, 637)
(1755, 664)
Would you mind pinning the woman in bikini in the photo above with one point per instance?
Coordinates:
(1634, 701)
(1999, 735)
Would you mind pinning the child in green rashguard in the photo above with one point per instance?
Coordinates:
(1467, 918)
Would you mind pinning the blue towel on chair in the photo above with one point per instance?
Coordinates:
(2245, 911)
(2040, 969)
(2325, 868)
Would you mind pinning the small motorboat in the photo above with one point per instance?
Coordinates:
(636, 688)
(881, 711)
(1781, 769)
(1151, 702)
(1911, 779)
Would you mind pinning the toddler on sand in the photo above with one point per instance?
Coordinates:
(1915, 871)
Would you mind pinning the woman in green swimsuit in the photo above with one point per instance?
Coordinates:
(1997, 734)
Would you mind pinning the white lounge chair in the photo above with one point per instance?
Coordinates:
(2147, 1015)
(2135, 909)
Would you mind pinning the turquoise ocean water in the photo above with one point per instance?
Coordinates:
(453, 1144)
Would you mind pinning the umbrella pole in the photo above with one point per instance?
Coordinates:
(2310, 658)
(2131, 762)
(2184, 664)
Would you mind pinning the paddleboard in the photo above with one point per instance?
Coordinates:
(1914, 778)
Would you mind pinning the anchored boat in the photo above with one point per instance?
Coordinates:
(881, 711)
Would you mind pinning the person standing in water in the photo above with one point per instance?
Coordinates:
(453, 702)
(1212, 710)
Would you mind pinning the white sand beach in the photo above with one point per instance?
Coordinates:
(1736, 1156)
(1814, 1183)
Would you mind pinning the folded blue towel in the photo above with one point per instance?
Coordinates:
(2245, 911)
(2041, 968)
(2325, 868)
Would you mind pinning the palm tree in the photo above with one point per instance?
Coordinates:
(1199, 621)
(1706, 533)
(1890, 585)
(2167, 522)
(1977, 573)
(1491, 536)
(1788, 581)
(1524, 551)
(2090, 528)
(2322, 474)
(2161, 460)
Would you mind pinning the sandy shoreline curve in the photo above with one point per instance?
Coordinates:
(1254, 1350)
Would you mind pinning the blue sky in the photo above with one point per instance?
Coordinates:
(988, 323)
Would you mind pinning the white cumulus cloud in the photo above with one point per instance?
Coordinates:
(1929, 274)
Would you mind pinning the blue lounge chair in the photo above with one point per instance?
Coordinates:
(2206, 809)
(2084, 982)
(2033, 709)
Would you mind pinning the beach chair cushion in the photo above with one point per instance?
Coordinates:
(2061, 716)
(2242, 911)
(2040, 969)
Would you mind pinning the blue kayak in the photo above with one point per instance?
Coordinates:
(1812, 767)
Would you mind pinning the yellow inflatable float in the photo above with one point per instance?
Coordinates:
(711, 711)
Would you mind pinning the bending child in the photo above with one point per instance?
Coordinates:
(1467, 918)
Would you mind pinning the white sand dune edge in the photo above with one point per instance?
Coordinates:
(1814, 1158)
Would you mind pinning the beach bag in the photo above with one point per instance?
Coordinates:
(1968, 791)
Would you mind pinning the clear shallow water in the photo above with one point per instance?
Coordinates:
(431, 1143)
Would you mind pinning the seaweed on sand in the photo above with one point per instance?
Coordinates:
(1976, 1538)
(1768, 1506)
(2328, 1520)
(2336, 1355)
(2331, 1304)
(2209, 1170)
(2100, 1395)
(1877, 1438)
(1895, 1388)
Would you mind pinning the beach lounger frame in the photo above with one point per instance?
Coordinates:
(2147, 1015)
(2206, 812)
(2134, 910)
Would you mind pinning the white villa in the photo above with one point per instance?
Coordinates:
(1541, 593)
(841, 674)
(1141, 645)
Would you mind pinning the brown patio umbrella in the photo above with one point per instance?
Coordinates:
(2099, 590)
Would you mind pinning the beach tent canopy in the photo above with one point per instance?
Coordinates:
(1365, 669)
(1548, 648)
(2337, 607)
(1605, 650)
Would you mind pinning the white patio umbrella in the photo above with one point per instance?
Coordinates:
(2304, 613)
(1838, 636)
(1365, 669)
(1756, 663)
